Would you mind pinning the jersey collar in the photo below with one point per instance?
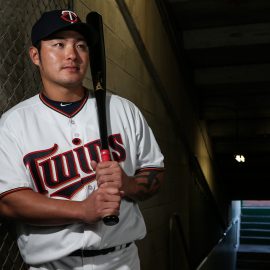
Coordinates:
(68, 109)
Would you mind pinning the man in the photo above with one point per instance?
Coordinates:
(52, 180)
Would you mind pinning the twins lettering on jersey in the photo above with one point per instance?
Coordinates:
(67, 173)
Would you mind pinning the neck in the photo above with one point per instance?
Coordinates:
(64, 94)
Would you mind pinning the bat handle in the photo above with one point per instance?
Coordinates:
(108, 220)
(105, 155)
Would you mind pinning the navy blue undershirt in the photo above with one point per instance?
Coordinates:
(66, 107)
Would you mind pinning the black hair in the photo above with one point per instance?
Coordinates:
(38, 46)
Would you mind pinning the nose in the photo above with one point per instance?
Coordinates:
(71, 52)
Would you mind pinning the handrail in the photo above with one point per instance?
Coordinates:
(220, 241)
(176, 219)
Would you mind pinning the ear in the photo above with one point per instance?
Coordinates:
(34, 55)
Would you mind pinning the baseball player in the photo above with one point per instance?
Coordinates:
(52, 181)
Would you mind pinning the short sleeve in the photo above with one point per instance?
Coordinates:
(148, 151)
(13, 174)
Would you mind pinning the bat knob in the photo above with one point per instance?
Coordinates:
(110, 220)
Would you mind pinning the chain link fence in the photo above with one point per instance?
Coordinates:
(19, 79)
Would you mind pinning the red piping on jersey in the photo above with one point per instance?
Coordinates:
(147, 169)
(14, 190)
(41, 96)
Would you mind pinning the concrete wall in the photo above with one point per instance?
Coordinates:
(164, 101)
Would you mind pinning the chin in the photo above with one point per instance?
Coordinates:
(73, 82)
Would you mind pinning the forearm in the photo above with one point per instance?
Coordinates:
(33, 208)
(144, 185)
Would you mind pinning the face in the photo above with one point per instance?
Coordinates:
(63, 60)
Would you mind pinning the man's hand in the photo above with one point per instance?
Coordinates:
(104, 201)
(110, 174)
(142, 186)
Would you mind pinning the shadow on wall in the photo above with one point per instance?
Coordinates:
(179, 254)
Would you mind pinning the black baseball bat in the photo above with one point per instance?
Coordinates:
(98, 72)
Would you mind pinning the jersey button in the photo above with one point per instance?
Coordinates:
(76, 141)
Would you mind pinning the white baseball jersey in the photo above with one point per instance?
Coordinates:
(49, 152)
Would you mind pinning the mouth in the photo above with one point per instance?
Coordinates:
(71, 68)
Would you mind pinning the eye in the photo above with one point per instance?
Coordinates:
(59, 44)
(82, 46)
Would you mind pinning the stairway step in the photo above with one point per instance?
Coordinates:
(244, 268)
(255, 210)
(254, 240)
(255, 232)
(247, 266)
(250, 249)
(253, 218)
(241, 268)
(253, 256)
(254, 250)
(255, 225)
(253, 264)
